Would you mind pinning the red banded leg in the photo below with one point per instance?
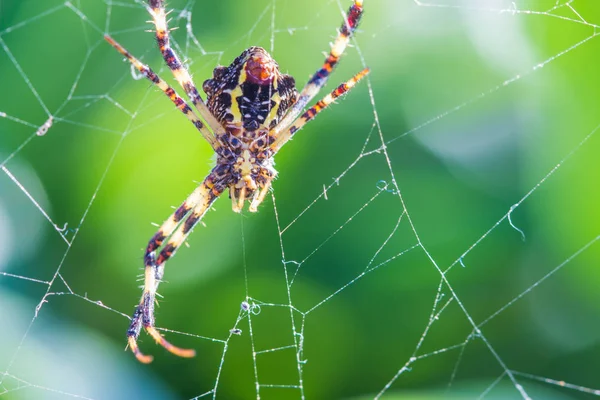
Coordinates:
(312, 112)
(319, 79)
(156, 8)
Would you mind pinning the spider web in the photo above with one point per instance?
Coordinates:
(433, 235)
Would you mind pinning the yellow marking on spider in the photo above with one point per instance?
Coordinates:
(235, 93)
(273, 113)
(245, 164)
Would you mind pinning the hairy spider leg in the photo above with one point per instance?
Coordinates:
(237, 203)
(257, 198)
(312, 112)
(168, 90)
(260, 196)
(156, 8)
(177, 227)
(320, 77)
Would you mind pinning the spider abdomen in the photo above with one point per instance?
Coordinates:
(250, 94)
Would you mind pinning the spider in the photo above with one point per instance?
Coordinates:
(251, 111)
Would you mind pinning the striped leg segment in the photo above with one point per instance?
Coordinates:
(319, 79)
(346, 30)
(176, 229)
(168, 90)
(312, 112)
(156, 8)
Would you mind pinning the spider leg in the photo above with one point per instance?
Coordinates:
(237, 206)
(168, 90)
(312, 112)
(156, 8)
(319, 79)
(176, 229)
(260, 196)
(234, 199)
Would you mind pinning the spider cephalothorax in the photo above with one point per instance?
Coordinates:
(251, 111)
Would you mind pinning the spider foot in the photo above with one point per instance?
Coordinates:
(178, 351)
(136, 351)
(143, 316)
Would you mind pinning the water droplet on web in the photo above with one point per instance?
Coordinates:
(44, 128)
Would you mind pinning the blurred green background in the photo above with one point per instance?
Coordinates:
(478, 103)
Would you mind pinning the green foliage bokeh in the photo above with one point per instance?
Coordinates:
(476, 107)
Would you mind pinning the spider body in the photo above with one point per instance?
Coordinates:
(251, 111)
(248, 98)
